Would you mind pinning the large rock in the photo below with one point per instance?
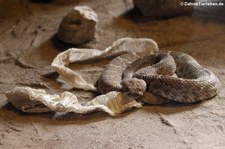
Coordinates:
(163, 8)
(78, 26)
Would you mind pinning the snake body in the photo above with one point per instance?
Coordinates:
(170, 75)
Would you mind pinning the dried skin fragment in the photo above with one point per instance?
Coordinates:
(112, 103)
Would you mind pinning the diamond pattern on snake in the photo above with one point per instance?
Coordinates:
(169, 76)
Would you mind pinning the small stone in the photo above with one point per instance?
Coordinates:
(78, 26)
(163, 8)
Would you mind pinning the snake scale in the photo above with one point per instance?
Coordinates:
(169, 76)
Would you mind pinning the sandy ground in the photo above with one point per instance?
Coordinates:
(28, 45)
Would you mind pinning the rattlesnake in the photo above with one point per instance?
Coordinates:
(169, 76)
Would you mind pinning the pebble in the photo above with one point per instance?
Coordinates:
(78, 26)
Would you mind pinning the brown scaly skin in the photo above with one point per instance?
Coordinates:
(194, 82)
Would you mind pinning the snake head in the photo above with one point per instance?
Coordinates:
(134, 87)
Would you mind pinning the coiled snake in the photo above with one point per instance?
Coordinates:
(170, 75)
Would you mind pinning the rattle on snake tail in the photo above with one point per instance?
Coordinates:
(169, 75)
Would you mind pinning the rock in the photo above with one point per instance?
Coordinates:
(163, 8)
(42, 1)
(78, 26)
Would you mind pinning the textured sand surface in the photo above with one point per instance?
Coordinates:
(28, 46)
